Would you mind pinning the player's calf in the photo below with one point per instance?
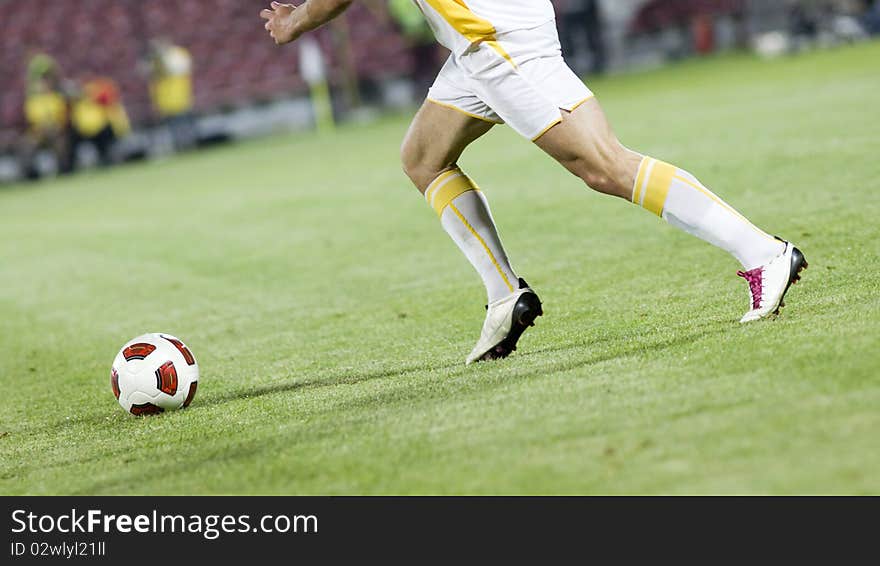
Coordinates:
(586, 146)
(513, 306)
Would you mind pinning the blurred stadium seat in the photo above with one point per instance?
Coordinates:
(659, 14)
(234, 62)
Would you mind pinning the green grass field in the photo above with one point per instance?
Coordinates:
(331, 315)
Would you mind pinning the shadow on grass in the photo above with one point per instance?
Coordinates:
(346, 379)
(631, 346)
(637, 343)
(481, 378)
(95, 420)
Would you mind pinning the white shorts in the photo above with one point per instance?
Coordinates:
(521, 79)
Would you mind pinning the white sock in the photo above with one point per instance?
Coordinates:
(464, 214)
(677, 196)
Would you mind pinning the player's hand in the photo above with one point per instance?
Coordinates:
(281, 22)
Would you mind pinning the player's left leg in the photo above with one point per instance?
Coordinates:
(436, 139)
(586, 145)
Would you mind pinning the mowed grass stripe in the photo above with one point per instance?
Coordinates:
(331, 315)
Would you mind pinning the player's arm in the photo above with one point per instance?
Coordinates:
(287, 22)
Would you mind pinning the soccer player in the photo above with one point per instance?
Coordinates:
(506, 66)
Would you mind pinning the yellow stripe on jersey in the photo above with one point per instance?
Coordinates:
(474, 28)
(465, 22)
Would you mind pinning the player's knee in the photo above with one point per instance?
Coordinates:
(607, 174)
(412, 161)
(596, 174)
(598, 181)
(418, 167)
(420, 175)
(410, 168)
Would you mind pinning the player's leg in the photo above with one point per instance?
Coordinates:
(584, 143)
(436, 138)
(430, 152)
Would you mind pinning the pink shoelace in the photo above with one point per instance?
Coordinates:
(754, 277)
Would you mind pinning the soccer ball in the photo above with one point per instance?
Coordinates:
(154, 373)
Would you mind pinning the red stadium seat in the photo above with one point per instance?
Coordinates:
(234, 60)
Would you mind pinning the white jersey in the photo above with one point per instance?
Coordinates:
(459, 24)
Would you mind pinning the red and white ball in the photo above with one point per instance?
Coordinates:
(154, 373)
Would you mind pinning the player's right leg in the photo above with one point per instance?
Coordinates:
(430, 152)
(584, 143)
(538, 95)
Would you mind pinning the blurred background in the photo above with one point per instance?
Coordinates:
(93, 83)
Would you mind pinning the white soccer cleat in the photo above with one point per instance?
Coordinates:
(506, 320)
(769, 283)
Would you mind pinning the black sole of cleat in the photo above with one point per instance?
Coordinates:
(527, 309)
(798, 265)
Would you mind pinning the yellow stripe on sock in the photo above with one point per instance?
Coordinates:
(439, 181)
(485, 246)
(658, 187)
(709, 194)
(640, 180)
(452, 182)
(451, 188)
(697, 186)
(646, 179)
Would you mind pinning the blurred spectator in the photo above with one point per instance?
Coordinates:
(99, 117)
(420, 39)
(871, 18)
(171, 90)
(583, 19)
(801, 22)
(703, 33)
(46, 112)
